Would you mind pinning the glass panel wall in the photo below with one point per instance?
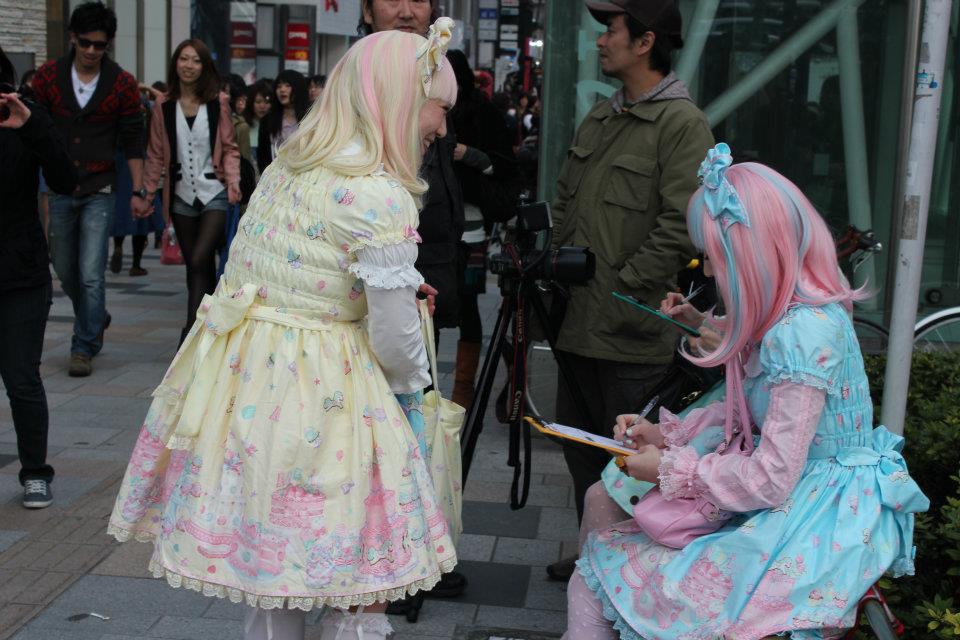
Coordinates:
(809, 87)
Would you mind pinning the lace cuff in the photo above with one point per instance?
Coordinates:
(388, 267)
(678, 431)
(387, 277)
(678, 474)
(675, 433)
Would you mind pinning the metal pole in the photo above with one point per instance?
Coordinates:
(778, 60)
(907, 89)
(915, 206)
(854, 138)
(697, 34)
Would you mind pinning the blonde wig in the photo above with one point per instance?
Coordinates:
(373, 96)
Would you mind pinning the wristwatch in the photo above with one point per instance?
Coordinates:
(141, 193)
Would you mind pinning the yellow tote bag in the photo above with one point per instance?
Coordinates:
(443, 420)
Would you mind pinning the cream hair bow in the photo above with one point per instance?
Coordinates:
(432, 53)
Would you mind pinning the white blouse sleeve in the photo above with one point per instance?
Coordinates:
(391, 281)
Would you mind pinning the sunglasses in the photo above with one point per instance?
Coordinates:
(99, 45)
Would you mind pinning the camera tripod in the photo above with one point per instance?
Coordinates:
(518, 290)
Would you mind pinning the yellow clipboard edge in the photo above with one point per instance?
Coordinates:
(539, 426)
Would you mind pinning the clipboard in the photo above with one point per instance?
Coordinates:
(656, 312)
(579, 435)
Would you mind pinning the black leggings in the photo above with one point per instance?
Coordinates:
(139, 244)
(199, 239)
(23, 320)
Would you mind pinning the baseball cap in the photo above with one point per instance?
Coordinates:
(657, 15)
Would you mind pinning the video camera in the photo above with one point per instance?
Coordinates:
(527, 252)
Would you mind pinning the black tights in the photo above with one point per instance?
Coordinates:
(199, 238)
(139, 244)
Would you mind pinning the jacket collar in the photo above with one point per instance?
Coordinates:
(649, 111)
(109, 70)
(651, 104)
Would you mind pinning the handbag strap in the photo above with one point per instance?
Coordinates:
(429, 342)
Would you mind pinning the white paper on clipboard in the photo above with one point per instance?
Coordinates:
(590, 438)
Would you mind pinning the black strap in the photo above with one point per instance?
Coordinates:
(213, 120)
(519, 428)
(169, 109)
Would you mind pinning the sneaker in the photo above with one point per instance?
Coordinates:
(37, 494)
(80, 365)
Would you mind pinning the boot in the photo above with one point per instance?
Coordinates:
(468, 357)
(341, 625)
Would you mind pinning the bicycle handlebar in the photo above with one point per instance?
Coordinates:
(854, 240)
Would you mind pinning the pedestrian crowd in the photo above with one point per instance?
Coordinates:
(287, 460)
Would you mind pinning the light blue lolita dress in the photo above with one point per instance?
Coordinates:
(798, 569)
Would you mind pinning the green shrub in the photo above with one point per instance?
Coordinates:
(925, 602)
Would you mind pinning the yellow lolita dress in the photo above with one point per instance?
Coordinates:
(275, 466)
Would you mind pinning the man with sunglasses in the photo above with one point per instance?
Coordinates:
(95, 105)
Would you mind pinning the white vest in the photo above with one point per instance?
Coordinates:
(197, 179)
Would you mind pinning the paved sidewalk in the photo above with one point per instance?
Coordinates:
(57, 565)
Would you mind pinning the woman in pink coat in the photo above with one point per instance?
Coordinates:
(192, 155)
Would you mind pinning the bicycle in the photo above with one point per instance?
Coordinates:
(939, 331)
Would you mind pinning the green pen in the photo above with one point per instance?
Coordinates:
(656, 312)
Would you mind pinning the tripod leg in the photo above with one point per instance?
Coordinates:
(474, 422)
(578, 400)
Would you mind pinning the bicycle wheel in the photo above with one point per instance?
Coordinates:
(878, 621)
(873, 337)
(939, 332)
(542, 382)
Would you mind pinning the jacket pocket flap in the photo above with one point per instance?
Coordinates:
(636, 164)
(581, 152)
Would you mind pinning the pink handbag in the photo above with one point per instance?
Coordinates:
(677, 522)
(170, 248)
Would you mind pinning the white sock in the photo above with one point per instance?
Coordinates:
(274, 624)
(342, 625)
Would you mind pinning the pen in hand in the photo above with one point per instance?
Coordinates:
(693, 294)
(643, 414)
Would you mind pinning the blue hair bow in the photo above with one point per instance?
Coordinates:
(721, 198)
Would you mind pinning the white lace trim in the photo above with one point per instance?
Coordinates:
(387, 277)
(237, 596)
(806, 378)
(678, 474)
(388, 267)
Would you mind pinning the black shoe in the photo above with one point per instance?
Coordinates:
(451, 585)
(116, 262)
(37, 494)
(409, 607)
(561, 570)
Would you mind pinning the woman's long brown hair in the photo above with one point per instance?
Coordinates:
(208, 84)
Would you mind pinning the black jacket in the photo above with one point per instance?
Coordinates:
(441, 226)
(92, 134)
(24, 258)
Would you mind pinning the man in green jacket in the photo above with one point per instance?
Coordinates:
(623, 193)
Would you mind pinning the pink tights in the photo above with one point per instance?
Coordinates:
(599, 511)
(585, 619)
